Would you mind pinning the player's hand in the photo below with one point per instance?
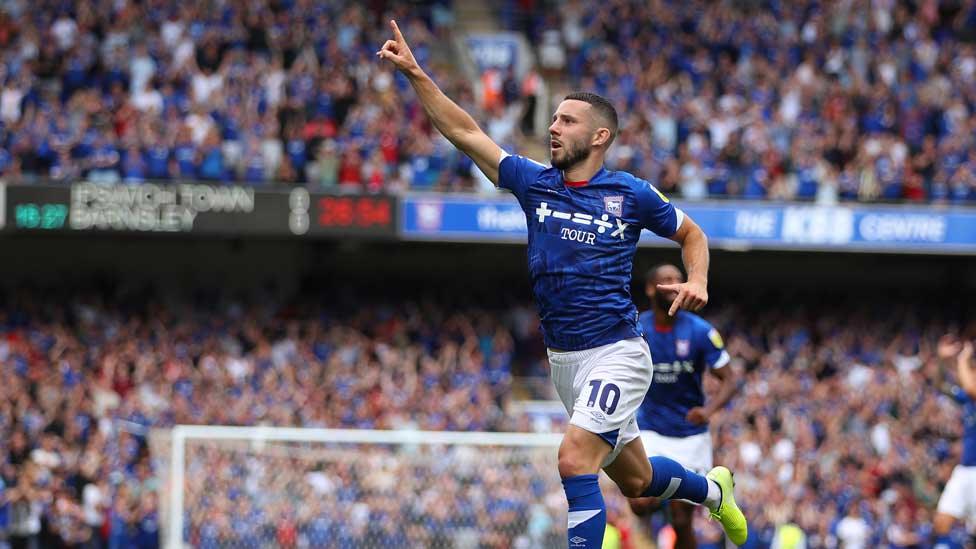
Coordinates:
(691, 296)
(697, 416)
(398, 52)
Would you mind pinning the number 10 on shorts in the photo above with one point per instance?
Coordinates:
(609, 396)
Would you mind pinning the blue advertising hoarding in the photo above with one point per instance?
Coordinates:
(494, 51)
(730, 225)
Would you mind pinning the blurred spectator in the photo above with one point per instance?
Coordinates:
(840, 428)
(169, 90)
(904, 532)
(789, 536)
(752, 97)
(852, 530)
(794, 101)
(76, 468)
(26, 499)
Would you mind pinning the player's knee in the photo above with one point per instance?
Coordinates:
(572, 462)
(567, 467)
(633, 487)
(578, 456)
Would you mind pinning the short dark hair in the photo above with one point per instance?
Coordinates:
(604, 110)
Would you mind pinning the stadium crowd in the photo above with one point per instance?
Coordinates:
(801, 100)
(840, 427)
(284, 91)
(87, 377)
(781, 100)
(373, 497)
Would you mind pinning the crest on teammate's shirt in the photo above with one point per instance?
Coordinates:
(682, 347)
(614, 205)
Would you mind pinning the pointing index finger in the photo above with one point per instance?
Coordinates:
(396, 31)
(675, 305)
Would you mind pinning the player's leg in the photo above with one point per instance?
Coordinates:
(582, 451)
(682, 516)
(602, 389)
(580, 455)
(659, 477)
(630, 368)
(644, 507)
(682, 520)
(695, 453)
(670, 480)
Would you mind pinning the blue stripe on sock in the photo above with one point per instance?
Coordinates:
(670, 480)
(587, 512)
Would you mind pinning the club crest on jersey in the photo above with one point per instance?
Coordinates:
(682, 347)
(614, 205)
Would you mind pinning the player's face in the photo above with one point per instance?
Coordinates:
(667, 274)
(570, 134)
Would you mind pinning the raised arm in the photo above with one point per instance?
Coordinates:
(449, 119)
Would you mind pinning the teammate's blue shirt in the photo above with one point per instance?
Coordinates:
(968, 426)
(582, 241)
(681, 353)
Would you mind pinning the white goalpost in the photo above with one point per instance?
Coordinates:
(275, 487)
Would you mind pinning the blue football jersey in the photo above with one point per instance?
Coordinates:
(582, 241)
(681, 353)
(968, 426)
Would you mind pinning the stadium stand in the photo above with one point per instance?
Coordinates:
(87, 373)
(776, 100)
(840, 430)
(795, 101)
(230, 91)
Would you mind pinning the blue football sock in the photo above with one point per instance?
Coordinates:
(670, 480)
(587, 512)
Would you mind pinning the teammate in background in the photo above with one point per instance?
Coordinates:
(673, 418)
(958, 501)
(583, 223)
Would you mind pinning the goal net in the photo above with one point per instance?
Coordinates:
(284, 487)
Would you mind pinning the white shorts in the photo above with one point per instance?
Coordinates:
(959, 497)
(694, 452)
(603, 387)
